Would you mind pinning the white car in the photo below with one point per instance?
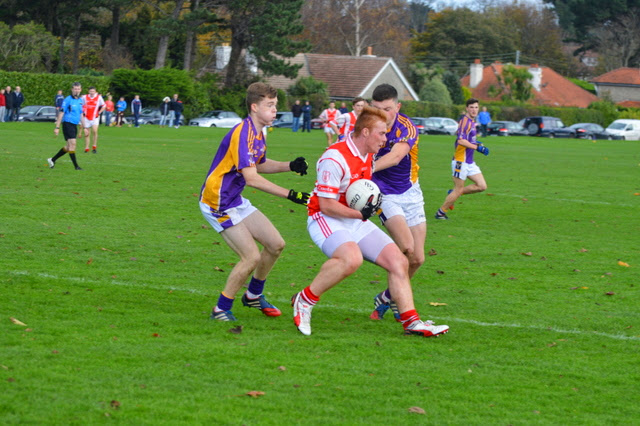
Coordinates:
(216, 119)
(625, 129)
(440, 126)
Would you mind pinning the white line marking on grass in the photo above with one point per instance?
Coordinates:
(331, 306)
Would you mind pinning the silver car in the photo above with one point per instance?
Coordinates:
(216, 119)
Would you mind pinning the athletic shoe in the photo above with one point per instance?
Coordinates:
(441, 216)
(78, 168)
(301, 314)
(51, 163)
(380, 307)
(222, 316)
(86, 150)
(423, 329)
(261, 303)
(94, 151)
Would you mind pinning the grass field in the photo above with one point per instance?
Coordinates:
(114, 273)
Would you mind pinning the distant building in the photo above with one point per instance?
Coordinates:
(621, 85)
(348, 76)
(549, 87)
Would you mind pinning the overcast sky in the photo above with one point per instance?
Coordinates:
(476, 4)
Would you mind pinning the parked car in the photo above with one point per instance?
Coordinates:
(506, 128)
(419, 122)
(316, 123)
(149, 116)
(626, 129)
(216, 119)
(440, 126)
(543, 126)
(284, 119)
(591, 131)
(38, 113)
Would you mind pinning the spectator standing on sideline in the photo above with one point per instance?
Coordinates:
(2, 106)
(108, 110)
(296, 110)
(176, 107)
(343, 108)
(347, 122)
(484, 118)
(463, 166)
(306, 117)
(136, 107)
(93, 107)
(57, 101)
(18, 99)
(121, 105)
(8, 100)
(70, 116)
(329, 117)
(165, 112)
(346, 236)
(240, 161)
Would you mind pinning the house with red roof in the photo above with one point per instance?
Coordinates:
(549, 87)
(621, 85)
(348, 76)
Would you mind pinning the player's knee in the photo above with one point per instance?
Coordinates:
(351, 262)
(482, 186)
(399, 265)
(275, 247)
(416, 260)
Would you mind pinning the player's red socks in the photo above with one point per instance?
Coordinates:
(309, 297)
(86, 150)
(406, 318)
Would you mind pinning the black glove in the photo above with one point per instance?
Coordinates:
(298, 197)
(371, 208)
(299, 165)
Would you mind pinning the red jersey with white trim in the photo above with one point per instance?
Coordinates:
(346, 124)
(329, 116)
(340, 165)
(92, 105)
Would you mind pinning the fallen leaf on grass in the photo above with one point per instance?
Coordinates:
(610, 293)
(282, 368)
(255, 394)
(155, 335)
(437, 304)
(440, 272)
(90, 261)
(432, 252)
(17, 321)
(236, 330)
(115, 404)
(417, 410)
(527, 254)
(621, 263)
(583, 250)
(219, 269)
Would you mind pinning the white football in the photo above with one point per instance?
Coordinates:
(360, 192)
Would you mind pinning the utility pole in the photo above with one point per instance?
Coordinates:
(517, 57)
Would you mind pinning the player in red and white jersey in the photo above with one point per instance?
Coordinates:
(346, 122)
(346, 236)
(329, 118)
(93, 107)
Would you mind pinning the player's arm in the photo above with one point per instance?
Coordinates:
(59, 120)
(254, 180)
(334, 208)
(393, 157)
(299, 166)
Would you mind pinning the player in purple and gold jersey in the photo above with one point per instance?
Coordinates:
(462, 165)
(240, 160)
(396, 173)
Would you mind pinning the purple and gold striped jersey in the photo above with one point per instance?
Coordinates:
(466, 131)
(242, 147)
(399, 178)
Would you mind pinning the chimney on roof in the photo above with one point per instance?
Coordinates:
(476, 73)
(369, 53)
(536, 79)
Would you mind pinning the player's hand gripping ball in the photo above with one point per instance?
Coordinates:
(364, 195)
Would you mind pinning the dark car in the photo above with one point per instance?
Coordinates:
(419, 122)
(506, 128)
(543, 126)
(38, 113)
(591, 131)
(151, 116)
(284, 119)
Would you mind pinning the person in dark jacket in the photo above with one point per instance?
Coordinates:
(136, 108)
(18, 99)
(296, 109)
(8, 98)
(176, 107)
(306, 117)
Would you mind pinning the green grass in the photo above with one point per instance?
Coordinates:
(114, 272)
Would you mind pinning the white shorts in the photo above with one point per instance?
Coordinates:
(221, 220)
(409, 204)
(90, 123)
(328, 129)
(462, 170)
(329, 233)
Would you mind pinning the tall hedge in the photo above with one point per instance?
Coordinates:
(40, 89)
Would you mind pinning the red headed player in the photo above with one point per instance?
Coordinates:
(346, 236)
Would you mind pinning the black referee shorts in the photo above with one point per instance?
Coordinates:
(69, 130)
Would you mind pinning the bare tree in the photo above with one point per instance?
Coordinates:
(618, 42)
